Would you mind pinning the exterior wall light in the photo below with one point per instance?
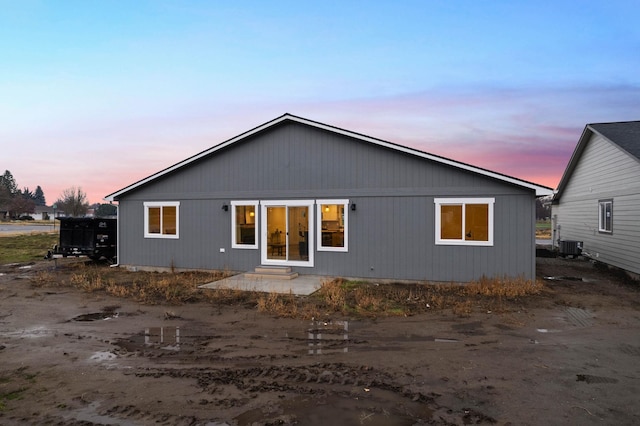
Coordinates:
(353, 206)
(225, 207)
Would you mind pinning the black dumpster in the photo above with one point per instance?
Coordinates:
(87, 236)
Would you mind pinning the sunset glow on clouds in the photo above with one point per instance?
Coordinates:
(99, 95)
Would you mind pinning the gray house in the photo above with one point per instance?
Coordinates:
(327, 201)
(598, 199)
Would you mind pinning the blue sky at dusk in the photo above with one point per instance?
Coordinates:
(101, 94)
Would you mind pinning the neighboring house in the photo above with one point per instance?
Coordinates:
(598, 199)
(327, 201)
(38, 214)
(42, 213)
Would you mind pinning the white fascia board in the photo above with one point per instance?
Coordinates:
(587, 132)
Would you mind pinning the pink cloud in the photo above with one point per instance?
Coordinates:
(525, 133)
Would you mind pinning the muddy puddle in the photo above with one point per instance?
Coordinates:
(325, 337)
(167, 338)
(89, 415)
(316, 338)
(312, 338)
(95, 316)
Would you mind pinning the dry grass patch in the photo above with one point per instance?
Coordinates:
(370, 299)
(174, 288)
(344, 297)
(282, 305)
(503, 287)
(44, 278)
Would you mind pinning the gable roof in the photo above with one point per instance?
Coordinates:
(539, 189)
(624, 134)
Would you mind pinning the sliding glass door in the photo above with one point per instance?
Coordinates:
(287, 237)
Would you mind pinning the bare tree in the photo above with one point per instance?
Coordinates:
(73, 202)
(20, 205)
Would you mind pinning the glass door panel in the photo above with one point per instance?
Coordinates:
(277, 233)
(298, 244)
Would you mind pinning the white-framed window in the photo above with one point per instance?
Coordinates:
(332, 225)
(464, 221)
(605, 216)
(162, 219)
(244, 217)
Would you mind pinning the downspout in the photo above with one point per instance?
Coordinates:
(117, 264)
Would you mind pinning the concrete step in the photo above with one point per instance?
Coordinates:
(272, 269)
(272, 273)
(263, 276)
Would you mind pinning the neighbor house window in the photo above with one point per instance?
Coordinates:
(243, 224)
(605, 217)
(161, 219)
(333, 225)
(464, 221)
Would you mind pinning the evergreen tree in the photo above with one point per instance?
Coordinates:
(26, 193)
(105, 210)
(38, 197)
(5, 198)
(543, 208)
(7, 181)
(8, 190)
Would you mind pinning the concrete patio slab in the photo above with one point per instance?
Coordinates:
(303, 285)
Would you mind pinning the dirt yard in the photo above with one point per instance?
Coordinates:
(570, 355)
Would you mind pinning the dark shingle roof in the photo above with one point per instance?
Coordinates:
(624, 134)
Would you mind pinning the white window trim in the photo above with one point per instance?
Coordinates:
(319, 204)
(235, 245)
(148, 204)
(601, 226)
(462, 201)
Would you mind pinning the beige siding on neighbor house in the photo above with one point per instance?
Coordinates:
(603, 172)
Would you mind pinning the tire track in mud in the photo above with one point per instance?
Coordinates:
(231, 384)
(315, 381)
(301, 379)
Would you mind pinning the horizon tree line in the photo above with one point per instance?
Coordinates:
(16, 203)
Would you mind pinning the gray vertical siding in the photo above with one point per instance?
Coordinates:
(603, 172)
(391, 233)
